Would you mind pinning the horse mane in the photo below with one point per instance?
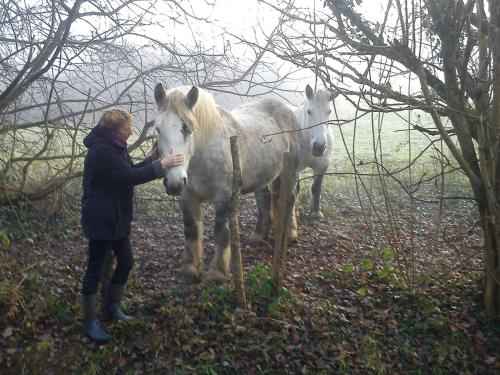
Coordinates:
(204, 118)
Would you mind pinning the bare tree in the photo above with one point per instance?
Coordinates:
(62, 65)
(445, 57)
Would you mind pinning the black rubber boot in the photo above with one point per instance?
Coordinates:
(115, 292)
(92, 329)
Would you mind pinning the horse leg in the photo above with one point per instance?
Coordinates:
(261, 229)
(219, 267)
(193, 234)
(315, 212)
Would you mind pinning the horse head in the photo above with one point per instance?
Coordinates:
(174, 124)
(317, 112)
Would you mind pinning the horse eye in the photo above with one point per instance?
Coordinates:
(158, 130)
(329, 111)
(185, 129)
(309, 112)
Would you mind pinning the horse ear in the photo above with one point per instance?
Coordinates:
(191, 97)
(160, 94)
(333, 95)
(309, 92)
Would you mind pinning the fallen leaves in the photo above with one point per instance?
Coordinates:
(8, 332)
(346, 311)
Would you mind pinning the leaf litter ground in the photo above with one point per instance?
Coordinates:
(353, 302)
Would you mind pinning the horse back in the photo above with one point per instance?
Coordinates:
(267, 129)
(270, 120)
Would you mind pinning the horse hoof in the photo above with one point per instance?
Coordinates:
(316, 215)
(215, 276)
(190, 274)
(256, 239)
(292, 238)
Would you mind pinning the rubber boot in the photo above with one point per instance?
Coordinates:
(92, 329)
(115, 292)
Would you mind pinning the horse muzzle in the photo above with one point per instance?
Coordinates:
(174, 188)
(318, 149)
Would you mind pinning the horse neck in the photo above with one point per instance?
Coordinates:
(300, 113)
(305, 134)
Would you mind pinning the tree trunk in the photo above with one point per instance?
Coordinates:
(491, 266)
(234, 231)
(490, 216)
(282, 225)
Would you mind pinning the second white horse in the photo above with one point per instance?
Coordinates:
(316, 140)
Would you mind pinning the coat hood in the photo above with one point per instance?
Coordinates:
(100, 136)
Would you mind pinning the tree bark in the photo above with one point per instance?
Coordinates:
(282, 225)
(234, 231)
(490, 214)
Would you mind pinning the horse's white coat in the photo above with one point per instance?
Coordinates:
(202, 133)
(316, 140)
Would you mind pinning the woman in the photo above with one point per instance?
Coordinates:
(109, 176)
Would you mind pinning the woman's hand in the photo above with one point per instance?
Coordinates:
(172, 160)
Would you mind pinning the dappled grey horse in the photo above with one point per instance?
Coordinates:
(188, 121)
(316, 141)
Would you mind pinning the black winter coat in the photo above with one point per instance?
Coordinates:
(109, 176)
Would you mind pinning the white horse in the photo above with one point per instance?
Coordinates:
(316, 141)
(188, 121)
